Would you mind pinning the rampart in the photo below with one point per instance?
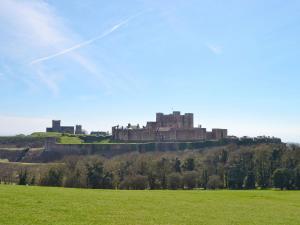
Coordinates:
(110, 150)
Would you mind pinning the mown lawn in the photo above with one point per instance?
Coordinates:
(23, 205)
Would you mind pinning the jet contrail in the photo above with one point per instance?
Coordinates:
(82, 44)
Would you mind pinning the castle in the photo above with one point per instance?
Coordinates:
(172, 127)
(56, 127)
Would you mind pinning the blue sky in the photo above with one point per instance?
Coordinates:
(234, 64)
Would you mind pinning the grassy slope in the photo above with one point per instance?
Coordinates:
(43, 205)
(46, 134)
(70, 140)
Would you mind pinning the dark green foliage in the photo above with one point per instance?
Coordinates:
(22, 140)
(23, 177)
(163, 168)
(231, 167)
(263, 167)
(214, 182)
(204, 179)
(283, 178)
(137, 182)
(297, 177)
(177, 165)
(189, 179)
(96, 177)
(249, 181)
(189, 164)
(32, 181)
(174, 181)
(54, 177)
(235, 177)
(93, 138)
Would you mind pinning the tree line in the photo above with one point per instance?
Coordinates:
(231, 167)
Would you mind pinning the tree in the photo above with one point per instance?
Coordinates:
(297, 177)
(282, 178)
(189, 179)
(74, 172)
(249, 181)
(136, 182)
(174, 181)
(53, 177)
(163, 167)
(177, 165)
(23, 177)
(214, 182)
(204, 179)
(263, 167)
(96, 177)
(235, 177)
(189, 164)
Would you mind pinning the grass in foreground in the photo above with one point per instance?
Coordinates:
(44, 205)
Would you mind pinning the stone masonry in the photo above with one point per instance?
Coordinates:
(172, 127)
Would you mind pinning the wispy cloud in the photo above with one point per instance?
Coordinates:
(216, 49)
(36, 28)
(82, 44)
(48, 80)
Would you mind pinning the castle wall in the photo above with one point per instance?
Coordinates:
(191, 134)
(218, 134)
(69, 129)
(160, 134)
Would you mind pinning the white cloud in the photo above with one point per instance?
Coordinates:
(216, 49)
(11, 125)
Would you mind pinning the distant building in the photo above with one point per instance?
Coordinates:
(172, 127)
(99, 133)
(78, 129)
(56, 127)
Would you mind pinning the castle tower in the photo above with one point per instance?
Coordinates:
(78, 129)
(159, 119)
(188, 120)
(56, 125)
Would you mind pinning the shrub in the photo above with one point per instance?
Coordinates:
(189, 179)
(23, 177)
(136, 182)
(283, 178)
(174, 181)
(214, 182)
(54, 177)
(249, 181)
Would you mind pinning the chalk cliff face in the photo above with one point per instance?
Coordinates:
(172, 127)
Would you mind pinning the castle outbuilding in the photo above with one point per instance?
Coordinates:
(56, 127)
(172, 127)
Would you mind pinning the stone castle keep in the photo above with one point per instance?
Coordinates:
(172, 127)
(56, 127)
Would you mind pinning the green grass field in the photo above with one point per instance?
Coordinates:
(23, 205)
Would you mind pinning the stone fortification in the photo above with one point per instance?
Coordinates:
(172, 127)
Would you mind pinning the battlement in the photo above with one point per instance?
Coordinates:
(175, 120)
